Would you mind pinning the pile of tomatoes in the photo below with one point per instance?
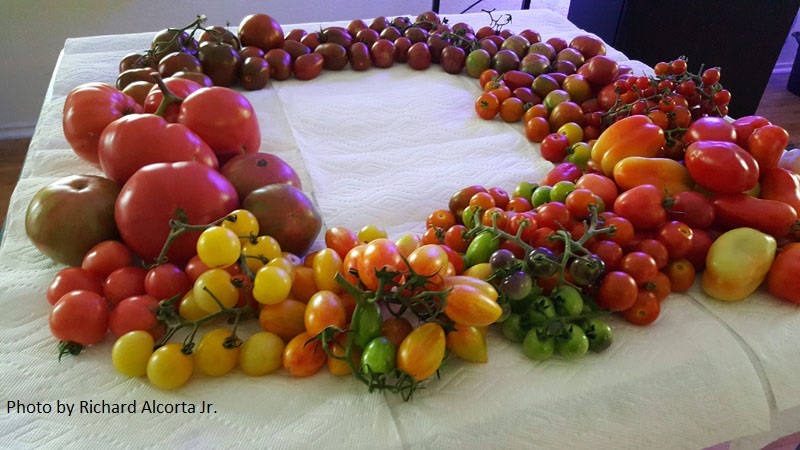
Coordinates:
(650, 188)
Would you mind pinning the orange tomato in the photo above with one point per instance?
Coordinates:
(421, 352)
(324, 309)
(468, 343)
(468, 305)
(303, 358)
(286, 318)
(487, 106)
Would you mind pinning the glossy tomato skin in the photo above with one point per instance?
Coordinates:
(287, 214)
(150, 198)
(136, 140)
(421, 352)
(88, 109)
(251, 171)
(80, 317)
(224, 119)
(773, 217)
(181, 87)
(642, 206)
(68, 217)
(262, 31)
(782, 279)
(710, 128)
(721, 167)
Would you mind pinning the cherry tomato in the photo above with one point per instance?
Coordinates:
(341, 240)
(379, 356)
(71, 279)
(286, 319)
(214, 290)
(468, 305)
(303, 357)
(554, 147)
(216, 354)
(421, 352)
(681, 274)
(218, 246)
(676, 237)
(692, 208)
(468, 343)
(107, 256)
(487, 106)
(642, 206)
(166, 281)
(123, 283)
(131, 352)
(324, 309)
(645, 309)
(271, 285)
(782, 279)
(168, 367)
(538, 345)
(618, 291)
(379, 254)
(327, 263)
(135, 313)
(261, 354)
(79, 317)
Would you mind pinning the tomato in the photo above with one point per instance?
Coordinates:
(261, 354)
(665, 173)
(710, 128)
(168, 367)
(379, 254)
(216, 354)
(745, 126)
(782, 280)
(287, 214)
(151, 197)
(260, 251)
(303, 357)
(554, 147)
(773, 217)
(137, 312)
(421, 352)
(692, 208)
(224, 119)
(487, 106)
(107, 256)
(180, 87)
(618, 291)
(324, 309)
(468, 343)
(572, 342)
(73, 279)
(737, 263)
(309, 66)
(767, 144)
(538, 345)
(341, 240)
(379, 356)
(88, 109)
(383, 53)
(327, 263)
(644, 311)
(69, 216)
(781, 184)
(272, 284)
(635, 135)
(681, 274)
(428, 260)
(642, 206)
(480, 248)
(601, 185)
(366, 323)
(676, 237)
(468, 305)
(79, 317)
(214, 290)
(396, 329)
(564, 171)
(260, 30)
(123, 283)
(721, 167)
(599, 70)
(218, 246)
(285, 319)
(131, 352)
(609, 251)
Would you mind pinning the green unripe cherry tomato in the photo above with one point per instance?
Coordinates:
(567, 300)
(366, 323)
(541, 195)
(524, 189)
(380, 356)
(599, 334)
(537, 345)
(560, 191)
(579, 154)
(572, 343)
(514, 329)
(481, 248)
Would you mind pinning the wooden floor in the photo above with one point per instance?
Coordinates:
(778, 105)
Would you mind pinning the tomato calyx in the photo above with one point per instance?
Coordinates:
(68, 348)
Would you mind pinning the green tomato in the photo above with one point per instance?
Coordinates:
(541, 195)
(366, 323)
(579, 154)
(572, 343)
(481, 248)
(560, 191)
(537, 345)
(567, 300)
(541, 310)
(524, 189)
(379, 357)
(477, 61)
(599, 334)
(514, 328)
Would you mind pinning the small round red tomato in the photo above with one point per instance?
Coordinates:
(341, 240)
(676, 237)
(681, 274)
(659, 285)
(554, 147)
(645, 309)
(106, 257)
(692, 208)
(656, 249)
(622, 230)
(421, 352)
(782, 279)
(166, 281)
(378, 254)
(72, 279)
(454, 237)
(618, 291)
(487, 106)
(79, 317)
(135, 313)
(554, 215)
(641, 266)
(610, 252)
(123, 283)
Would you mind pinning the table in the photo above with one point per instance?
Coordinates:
(387, 147)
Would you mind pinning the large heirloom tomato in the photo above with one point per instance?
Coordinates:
(88, 109)
(224, 119)
(151, 197)
(136, 140)
(287, 214)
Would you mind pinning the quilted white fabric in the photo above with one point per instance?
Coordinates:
(387, 147)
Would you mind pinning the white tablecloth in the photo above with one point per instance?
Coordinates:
(387, 147)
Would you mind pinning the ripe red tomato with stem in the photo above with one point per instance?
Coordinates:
(645, 310)
(72, 279)
(79, 317)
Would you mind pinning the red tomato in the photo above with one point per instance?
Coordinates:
(79, 317)
(645, 309)
(710, 128)
(676, 237)
(137, 312)
(781, 184)
(721, 167)
(136, 140)
(782, 279)
(180, 87)
(324, 309)
(165, 281)
(701, 242)
(123, 283)
(766, 144)
(260, 30)
(564, 171)
(681, 274)
(341, 240)
(618, 291)
(224, 119)
(745, 126)
(692, 208)
(106, 257)
(602, 186)
(151, 197)
(73, 279)
(308, 66)
(641, 266)
(741, 210)
(642, 206)
(88, 109)
(379, 254)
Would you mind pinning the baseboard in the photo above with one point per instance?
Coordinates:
(17, 130)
